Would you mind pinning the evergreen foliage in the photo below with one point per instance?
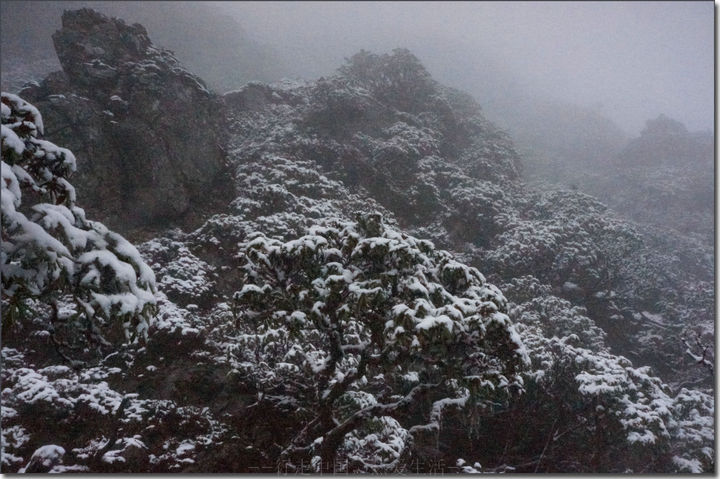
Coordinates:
(53, 255)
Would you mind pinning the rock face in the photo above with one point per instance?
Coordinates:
(148, 134)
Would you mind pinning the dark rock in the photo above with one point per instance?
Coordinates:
(147, 134)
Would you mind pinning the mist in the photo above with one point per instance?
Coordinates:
(629, 60)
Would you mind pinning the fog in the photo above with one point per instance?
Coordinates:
(630, 60)
(627, 61)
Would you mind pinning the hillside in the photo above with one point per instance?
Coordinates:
(662, 178)
(377, 290)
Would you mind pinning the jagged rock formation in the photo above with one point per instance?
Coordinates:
(218, 48)
(148, 134)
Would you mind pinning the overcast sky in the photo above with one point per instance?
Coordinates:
(632, 60)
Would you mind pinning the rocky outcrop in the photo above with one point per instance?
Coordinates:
(147, 133)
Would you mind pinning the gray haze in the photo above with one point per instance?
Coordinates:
(629, 60)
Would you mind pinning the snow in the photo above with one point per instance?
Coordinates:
(14, 436)
(411, 377)
(122, 270)
(71, 469)
(433, 322)
(380, 450)
(46, 455)
(34, 387)
(50, 151)
(185, 448)
(23, 108)
(11, 188)
(688, 465)
(646, 437)
(653, 317)
(465, 468)
(11, 140)
(112, 457)
(250, 288)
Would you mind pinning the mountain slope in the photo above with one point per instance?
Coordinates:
(663, 178)
(311, 325)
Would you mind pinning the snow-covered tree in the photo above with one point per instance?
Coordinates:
(397, 78)
(584, 408)
(95, 282)
(371, 335)
(587, 410)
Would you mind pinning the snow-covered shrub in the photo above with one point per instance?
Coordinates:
(181, 275)
(561, 237)
(398, 78)
(359, 308)
(533, 304)
(404, 145)
(50, 249)
(102, 417)
(587, 410)
(337, 105)
(693, 431)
